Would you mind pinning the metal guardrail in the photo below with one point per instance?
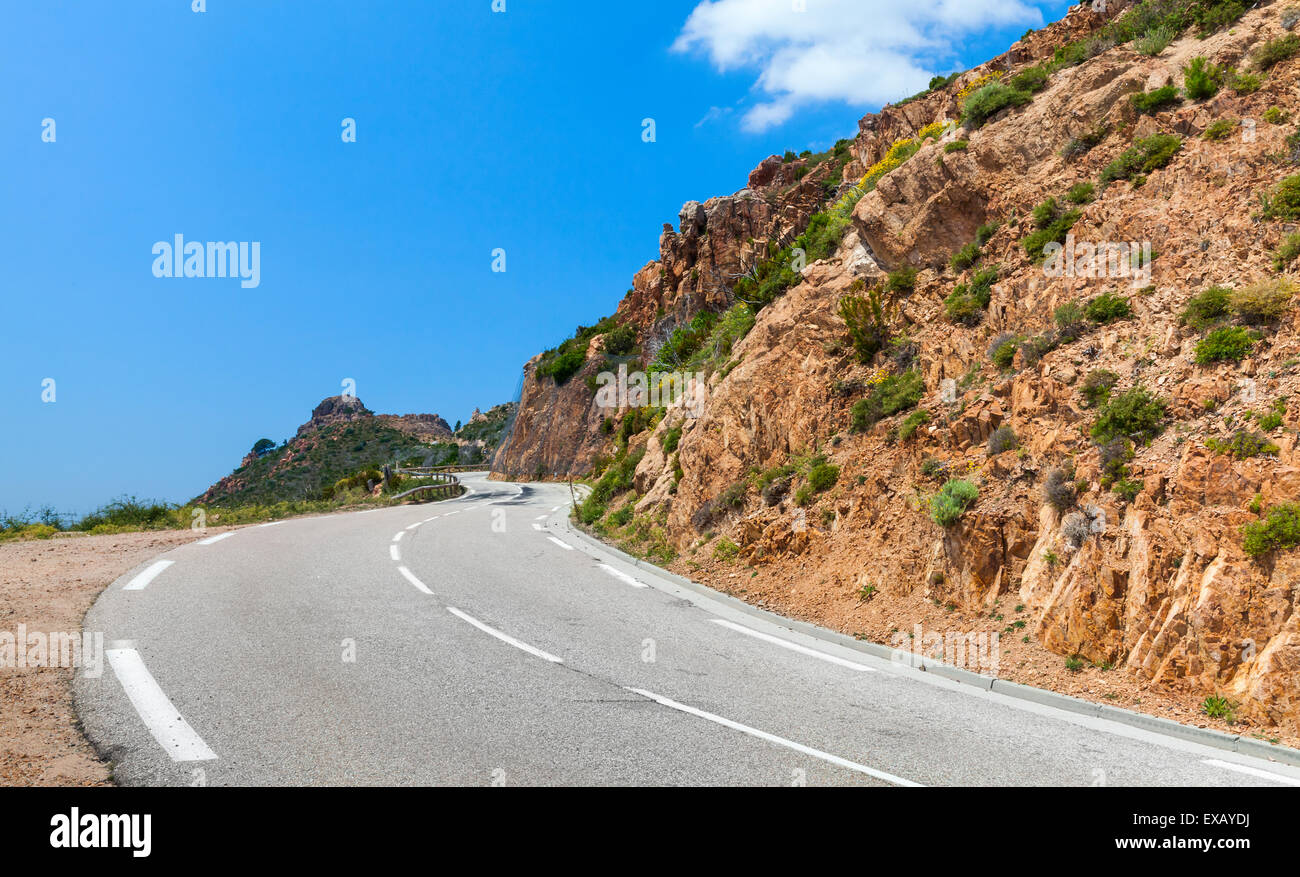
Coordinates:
(444, 483)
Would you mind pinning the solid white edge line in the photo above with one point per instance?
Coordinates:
(270, 523)
(410, 577)
(398, 537)
(140, 582)
(565, 545)
(504, 637)
(1252, 771)
(539, 528)
(772, 738)
(622, 576)
(217, 538)
(394, 553)
(416, 524)
(794, 647)
(159, 715)
(542, 517)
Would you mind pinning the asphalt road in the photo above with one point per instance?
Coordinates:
(477, 642)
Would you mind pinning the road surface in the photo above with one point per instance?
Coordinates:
(476, 641)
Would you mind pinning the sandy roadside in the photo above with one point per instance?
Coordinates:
(48, 585)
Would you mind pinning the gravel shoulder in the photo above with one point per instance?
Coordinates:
(47, 585)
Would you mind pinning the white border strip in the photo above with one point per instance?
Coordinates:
(217, 538)
(794, 647)
(1252, 771)
(565, 545)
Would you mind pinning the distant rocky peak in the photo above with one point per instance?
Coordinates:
(336, 409)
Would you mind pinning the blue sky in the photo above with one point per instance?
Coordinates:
(475, 130)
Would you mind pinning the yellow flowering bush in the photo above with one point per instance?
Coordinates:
(977, 84)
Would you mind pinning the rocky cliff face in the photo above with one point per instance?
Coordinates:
(558, 430)
(1140, 565)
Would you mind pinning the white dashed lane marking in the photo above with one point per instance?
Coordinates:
(505, 638)
(140, 582)
(410, 577)
(159, 715)
(772, 738)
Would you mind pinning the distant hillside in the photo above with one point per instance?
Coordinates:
(341, 438)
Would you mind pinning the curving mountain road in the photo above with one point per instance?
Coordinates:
(478, 642)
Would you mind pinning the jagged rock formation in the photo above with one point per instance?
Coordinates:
(558, 430)
(1158, 585)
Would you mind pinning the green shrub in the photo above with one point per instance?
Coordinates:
(1264, 301)
(1155, 41)
(1275, 51)
(1220, 129)
(865, 320)
(1151, 102)
(725, 550)
(1283, 202)
(1045, 214)
(822, 477)
(1059, 489)
(1275, 115)
(1068, 315)
(955, 146)
(1244, 83)
(985, 232)
(1272, 419)
(895, 393)
(621, 517)
(1206, 308)
(902, 281)
(1081, 193)
(951, 501)
(1030, 80)
(620, 341)
(1286, 254)
(1097, 386)
(1054, 232)
(1108, 307)
(1279, 529)
(1134, 415)
(1242, 445)
(912, 423)
(1084, 143)
(1003, 349)
(1225, 344)
(991, 99)
(1002, 439)
(563, 365)
(961, 307)
(965, 257)
(1143, 157)
(671, 439)
(1218, 707)
(1127, 489)
(1202, 78)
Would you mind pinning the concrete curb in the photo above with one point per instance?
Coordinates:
(1204, 736)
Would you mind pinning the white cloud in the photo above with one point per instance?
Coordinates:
(857, 51)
